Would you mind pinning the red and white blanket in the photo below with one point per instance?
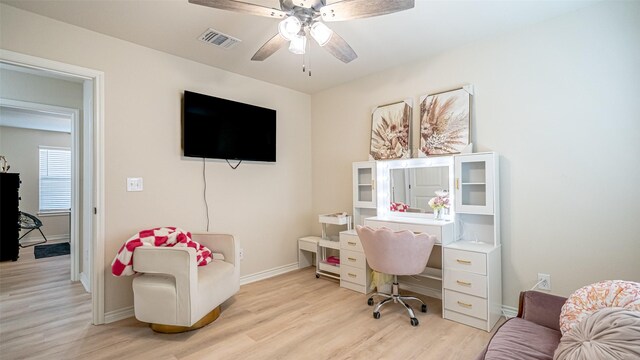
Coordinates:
(162, 236)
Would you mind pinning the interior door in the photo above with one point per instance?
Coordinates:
(424, 183)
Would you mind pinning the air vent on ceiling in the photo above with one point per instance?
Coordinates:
(215, 37)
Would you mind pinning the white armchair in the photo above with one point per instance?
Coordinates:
(174, 294)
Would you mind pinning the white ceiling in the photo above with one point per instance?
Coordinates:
(34, 119)
(173, 26)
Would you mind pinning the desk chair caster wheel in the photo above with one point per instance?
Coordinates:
(414, 322)
(376, 315)
(423, 308)
(370, 302)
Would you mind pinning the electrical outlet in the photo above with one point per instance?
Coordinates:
(241, 254)
(544, 281)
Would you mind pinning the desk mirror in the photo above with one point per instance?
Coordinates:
(412, 188)
(413, 182)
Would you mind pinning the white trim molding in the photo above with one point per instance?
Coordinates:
(509, 311)
(97, 138)
(117, 315)
(261, 275)
(52, 239)
(84, 280)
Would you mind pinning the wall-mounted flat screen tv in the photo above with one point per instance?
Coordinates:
(223, 129)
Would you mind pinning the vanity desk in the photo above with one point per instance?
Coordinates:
(465, 267)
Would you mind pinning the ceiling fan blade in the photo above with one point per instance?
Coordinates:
(242, 7)
(340, 49)
(358, 9)
(269, 48)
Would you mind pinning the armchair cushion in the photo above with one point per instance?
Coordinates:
(522, 339)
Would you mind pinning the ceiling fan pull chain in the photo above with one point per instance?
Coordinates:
(304, 66)
(309, 59)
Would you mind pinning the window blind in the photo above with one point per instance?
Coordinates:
(55, 179)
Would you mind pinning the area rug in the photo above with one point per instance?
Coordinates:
(43, 251)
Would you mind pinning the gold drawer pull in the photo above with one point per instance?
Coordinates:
(351, 259)
(463, 283)
(463, 304)
(466, 262)
(352, 275)
(351, 243)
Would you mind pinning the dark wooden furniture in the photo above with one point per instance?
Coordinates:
(9, 216)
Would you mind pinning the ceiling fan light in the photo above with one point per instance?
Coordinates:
(289, 27)
(321, 33)
(298, 44)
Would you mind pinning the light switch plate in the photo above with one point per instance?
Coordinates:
(134, 184)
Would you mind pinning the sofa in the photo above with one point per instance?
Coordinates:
(533, 334)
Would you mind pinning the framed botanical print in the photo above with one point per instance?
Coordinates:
(444, 122)
(390, 126)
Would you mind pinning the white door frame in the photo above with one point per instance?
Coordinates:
(74, 116)
(96, 256)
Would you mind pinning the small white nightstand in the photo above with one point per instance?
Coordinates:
(307, 249)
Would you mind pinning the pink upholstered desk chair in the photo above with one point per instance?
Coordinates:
(396, 253)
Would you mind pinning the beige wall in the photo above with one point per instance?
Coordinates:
(22, 86)
(20, 146)
(558, 102)
(265, 206)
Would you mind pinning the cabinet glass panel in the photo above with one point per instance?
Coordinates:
(364, 176)
(474, 194)
(365, 187)
(473, 172)
(365, 193)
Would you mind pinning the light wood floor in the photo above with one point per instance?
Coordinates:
(293, 316)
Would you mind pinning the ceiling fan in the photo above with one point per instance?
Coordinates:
(305, 17)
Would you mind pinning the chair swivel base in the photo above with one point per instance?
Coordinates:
(174, 329)
(396, 298)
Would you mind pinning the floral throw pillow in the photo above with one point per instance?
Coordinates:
(589, 299)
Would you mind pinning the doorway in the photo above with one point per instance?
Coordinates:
(42, 139)
(87, 152)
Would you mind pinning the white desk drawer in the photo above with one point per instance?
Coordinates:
(307, 245)
(467, 320)
(465, 282)
(465, 304)
(353, 274)
(350, 242)
(355, 259)
(465, 260)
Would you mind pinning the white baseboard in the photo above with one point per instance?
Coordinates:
(50, 239)
(117, 315)
(247, 279)
(84, 279)
(509, 311)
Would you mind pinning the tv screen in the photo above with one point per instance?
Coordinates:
(223, 129)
